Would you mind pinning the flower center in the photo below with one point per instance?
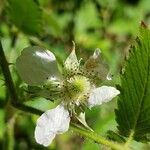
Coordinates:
(76, 88)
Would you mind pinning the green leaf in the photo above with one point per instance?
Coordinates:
(133, 113)
(26, 15)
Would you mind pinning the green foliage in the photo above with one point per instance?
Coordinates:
(133, 113)
(115, 137)
(26, 15)
(109, 25)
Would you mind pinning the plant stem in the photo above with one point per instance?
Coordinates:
(97, 138)
(7, 75)
(9, 135)
(126, 145)
(26, 108)
(15, 103)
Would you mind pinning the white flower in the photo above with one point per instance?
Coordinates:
(37, 65)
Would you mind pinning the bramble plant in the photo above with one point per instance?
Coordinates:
(78, 86)
(89, 94)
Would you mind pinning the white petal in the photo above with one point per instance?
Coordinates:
(96, 65)
(52, 122)
(35, 65)
(96, 53)
(42, 137)
(102, 95)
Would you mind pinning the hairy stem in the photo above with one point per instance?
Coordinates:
(97, 138)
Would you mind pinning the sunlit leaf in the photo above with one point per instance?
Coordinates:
(26, 15)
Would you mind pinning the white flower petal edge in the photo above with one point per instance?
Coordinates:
(35, 65)
(95, 63)
(50, 123)
(101, 95)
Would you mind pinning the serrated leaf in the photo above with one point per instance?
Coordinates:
(133, 113)
(26, 15)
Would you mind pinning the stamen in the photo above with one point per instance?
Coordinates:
(76, 88)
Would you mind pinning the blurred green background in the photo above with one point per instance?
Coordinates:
(110, 25)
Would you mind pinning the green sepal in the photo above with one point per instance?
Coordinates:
(71, 65)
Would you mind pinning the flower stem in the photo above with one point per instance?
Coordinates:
(97, 138)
